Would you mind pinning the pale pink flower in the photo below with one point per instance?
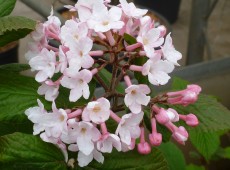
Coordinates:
(72, 32)
(169, 52)
(85, 8)
(79, 53)
(107, 142)
(34, 114)
(128, 127)
(136, 96)
(44, 63)
(78, 83)
(39, 33)
(84, 160)
(157, 71)
(50, 91)
(84, 134)
(53, 123)
(53, 24)
(150, 39)
(104, 20)
(35, 48)
(131, 10)
(97, 111)
(62, 60)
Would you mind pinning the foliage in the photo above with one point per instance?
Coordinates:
(13, 28)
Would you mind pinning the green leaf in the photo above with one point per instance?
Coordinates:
(129, 39)
(227, 153)
(194, 167)
(222, 153)
(18, 93)
(23, 151)
(13, 28)
(206, 143)
(6, 7)
(173, 155)
(131, 160)
(179, 84)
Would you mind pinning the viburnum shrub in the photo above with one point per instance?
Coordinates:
(124, 34)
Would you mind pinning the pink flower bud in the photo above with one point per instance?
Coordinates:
(185, 97)
(155, 139)
(195, 88)
(164, 116)
(133, 46)
(190, 119)
(96, 53)
(180, 135)
(144, 148)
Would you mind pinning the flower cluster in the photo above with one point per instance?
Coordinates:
(72, 62)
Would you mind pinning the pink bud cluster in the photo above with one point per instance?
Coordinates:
(73, 63)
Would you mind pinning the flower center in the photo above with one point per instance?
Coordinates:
(83, 130)
(76, 37)
(62, 118)
(105, 23)
(81, 54)
(96, 109)
(133, 92)
(81, 81)
(145, 41)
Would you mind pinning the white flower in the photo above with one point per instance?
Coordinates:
(78, 56)
(72, 32)
(136, 96)
(97, 111)
(53, 123)
(85, 8)
(78, 83)
(84, 134)
(34, 114)
(84, 160)
(157, 71)
(131, 10)
(104, 20)
(34, 49)
(50, 91)
(169, 52)
(107, 142)
(128, 127)
(39, 33)
(44, 63)
(62, 62)
(150, 39)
